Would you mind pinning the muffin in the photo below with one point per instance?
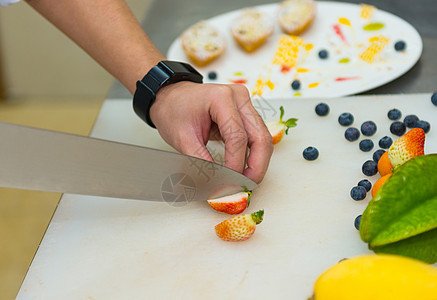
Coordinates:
(251, 29)
(203, 43)
(296, 15)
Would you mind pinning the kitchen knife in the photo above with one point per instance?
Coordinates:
(38, 159)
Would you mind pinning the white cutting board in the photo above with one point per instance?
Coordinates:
(102, 248)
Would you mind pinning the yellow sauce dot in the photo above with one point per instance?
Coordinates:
(344, 21)
(297, 94)
(344, 60)
(308, 47)
(270, 85)
(301, 70)
(313, 85)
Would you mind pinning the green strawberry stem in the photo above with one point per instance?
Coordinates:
(249, 195)
(257, 217)
(289, 123)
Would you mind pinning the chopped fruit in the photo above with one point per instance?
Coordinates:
(278, 129)
(410, 121)
(368, 128)
(394, 114)
(406, 147)
(212, 75)
(323, 54)
(377, 155)
(398, 128)
(385, 142)
(434, 99)
(366, 184)
(233, 204)
(352, 134)
(310, 153)
(384, 165)
(424, 125)
(239, 228)
(369, 168)
(295, 85)
(358, 193)
(400, 46)
(366, 145)
(346, 119)
(357, 222)
(322, 109)
(379, 183)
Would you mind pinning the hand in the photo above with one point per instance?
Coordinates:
(187, 114)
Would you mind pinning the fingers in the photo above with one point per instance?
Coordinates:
(259, 138)
(224, 112)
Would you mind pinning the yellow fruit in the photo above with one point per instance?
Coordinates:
(378, 277)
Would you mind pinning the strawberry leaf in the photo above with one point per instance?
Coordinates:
(290, 123)
(282, 113)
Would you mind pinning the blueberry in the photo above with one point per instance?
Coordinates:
(366, 145)
(212, 75)
(385, 142)
(323, 54)
(352, 134)
(358, 193)
(398, 128)
(368, 128)
(410, 121)
(400, 45)
(394, 114)
(366, 184)
(357, 222)
(295, 85)
(434, 99)
(377, 155)
(310, 153)
(370, 168)
(346, 119)
(424, 125)
(322, 109)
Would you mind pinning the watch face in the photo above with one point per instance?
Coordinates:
(175, 67)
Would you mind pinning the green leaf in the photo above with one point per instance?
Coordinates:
(282, 113)
(422, 247)
(404, 207)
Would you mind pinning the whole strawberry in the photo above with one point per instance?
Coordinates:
(234, 204)
(407, 146)
(239, 228)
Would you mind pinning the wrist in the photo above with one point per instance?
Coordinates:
(161, 75)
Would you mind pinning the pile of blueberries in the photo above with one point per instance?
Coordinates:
(368, 129)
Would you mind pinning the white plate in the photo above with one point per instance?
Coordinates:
(324, 78)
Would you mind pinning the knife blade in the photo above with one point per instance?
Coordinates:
(45, 160)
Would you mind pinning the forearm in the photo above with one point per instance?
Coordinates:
(108, 31)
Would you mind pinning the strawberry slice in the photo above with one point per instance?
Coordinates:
(233, 204)
(278, 129)
(407, 146)
(239, 228)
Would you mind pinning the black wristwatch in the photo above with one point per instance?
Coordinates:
(165, 72)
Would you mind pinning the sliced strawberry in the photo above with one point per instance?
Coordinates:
(278, 129)
(233, 204)
(239, 228)
(407, 146)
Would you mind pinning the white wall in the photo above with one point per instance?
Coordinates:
(38, 61)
